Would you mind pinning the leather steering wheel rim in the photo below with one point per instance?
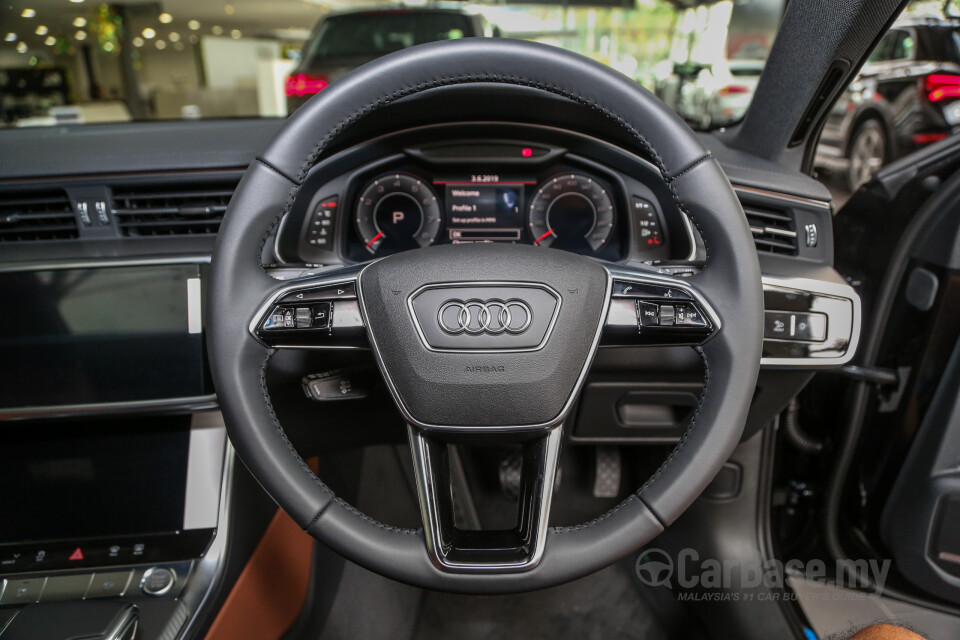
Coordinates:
(730, 277)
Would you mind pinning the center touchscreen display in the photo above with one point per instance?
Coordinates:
(484, 212)
(111, 334)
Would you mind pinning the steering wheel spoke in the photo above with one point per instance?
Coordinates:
(501, 551)
(655, 309)
(319, 312)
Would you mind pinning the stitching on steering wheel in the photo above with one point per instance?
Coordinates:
(683, 439)
(668, 178)
(360, 514)
(586, 525)
(283, 434)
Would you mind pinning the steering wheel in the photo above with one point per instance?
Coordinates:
(482, 344)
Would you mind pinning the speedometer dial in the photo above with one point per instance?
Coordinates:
(571, 211)
(396, 212)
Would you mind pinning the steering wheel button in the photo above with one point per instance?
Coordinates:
(668, 315)
(810, 326)
(778, 324)
(649, 314)
(625, 289)
(274, 321)
(687, 315)
(336, 292)
(321, 315)
(302, 318)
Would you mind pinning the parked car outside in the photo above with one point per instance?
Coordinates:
(712, 95)
(343, 41)
(905, 97)
(729, 90)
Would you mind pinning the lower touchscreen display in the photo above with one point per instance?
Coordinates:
(90, 493)
(82, 336)
(76, 480)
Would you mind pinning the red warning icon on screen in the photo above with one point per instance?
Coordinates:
(77, 554)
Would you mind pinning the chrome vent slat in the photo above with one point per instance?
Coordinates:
(774, 230)
(185, 210)
(37, 217)
(155, 211)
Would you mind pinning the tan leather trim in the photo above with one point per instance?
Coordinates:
(270, 591)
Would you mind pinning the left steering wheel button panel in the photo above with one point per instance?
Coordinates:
(319, 317)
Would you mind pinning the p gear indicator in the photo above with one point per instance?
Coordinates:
(396, 212)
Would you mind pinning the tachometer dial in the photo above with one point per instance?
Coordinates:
(571, 211)
(396, 212)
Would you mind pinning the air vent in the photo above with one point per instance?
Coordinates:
(773, 229)
(169, 211)
(34, 216)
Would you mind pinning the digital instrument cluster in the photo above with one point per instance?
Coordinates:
(570, 210)
(399, 197)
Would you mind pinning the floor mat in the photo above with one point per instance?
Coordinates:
(601, 606)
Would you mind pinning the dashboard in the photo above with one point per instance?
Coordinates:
(112, 267)
(485, 183)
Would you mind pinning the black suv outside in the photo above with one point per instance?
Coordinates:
(343, 41)
(905, 97)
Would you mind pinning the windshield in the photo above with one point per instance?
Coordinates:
(79, 62)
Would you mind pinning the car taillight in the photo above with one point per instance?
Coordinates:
(732, 89)
(927, 138)
(303, 84)
(941, 86)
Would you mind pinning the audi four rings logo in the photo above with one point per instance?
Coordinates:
(484, 316)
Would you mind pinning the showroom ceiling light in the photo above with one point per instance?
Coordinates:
(28, 13)
(161, 44)
(228, 9)
(193, 25)
(165, 18)
(173, 37)
(76, 1)
(41, 30)
(50, 41)
(138, 41)
(217, 30)
(79, 22)
(80, 35)
(21, 47)
(148, 33)
(11, 37)
(235, 34)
